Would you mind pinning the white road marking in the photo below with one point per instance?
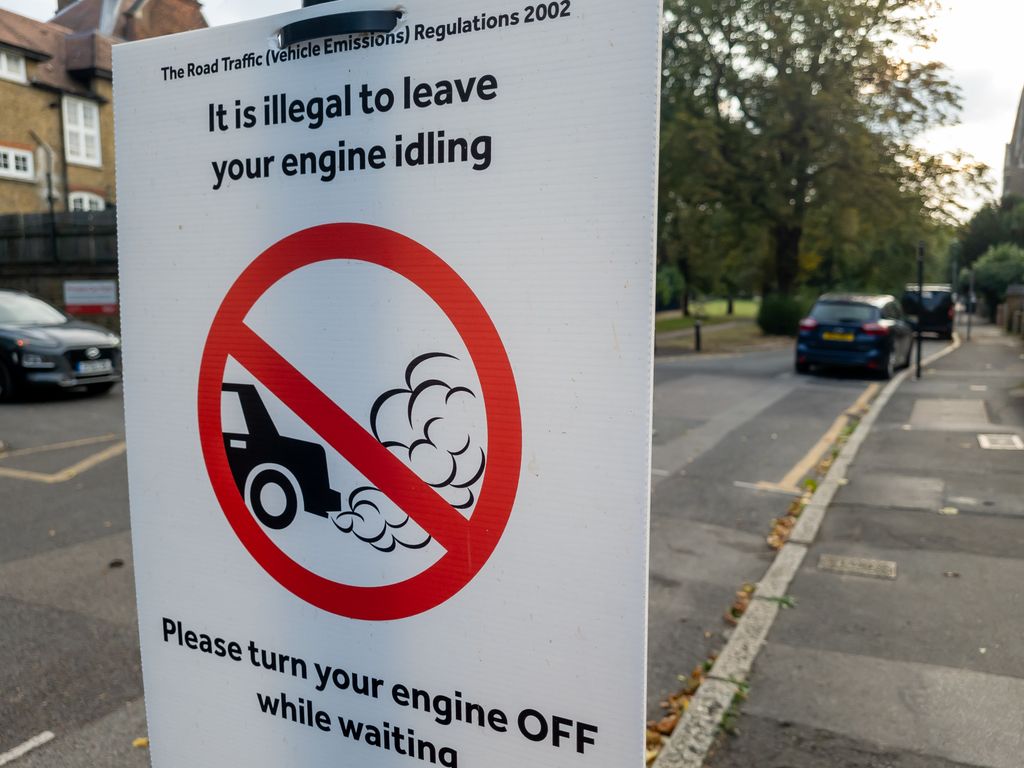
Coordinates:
(22, 749)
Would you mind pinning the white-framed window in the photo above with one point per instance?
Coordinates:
(12, 66)
(82, 131)
(17, 164)
(86, 201)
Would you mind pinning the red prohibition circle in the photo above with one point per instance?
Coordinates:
(468, 543)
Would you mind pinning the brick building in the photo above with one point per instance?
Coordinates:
(56, 117)
(1013, 164)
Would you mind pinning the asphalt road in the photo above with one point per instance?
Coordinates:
(67, 601)
(67, 606)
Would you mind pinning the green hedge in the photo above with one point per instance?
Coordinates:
(781, 315)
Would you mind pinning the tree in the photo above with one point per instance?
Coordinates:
(781, 116)
(1000, 267)
(994, 223)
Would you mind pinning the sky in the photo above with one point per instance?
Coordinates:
(979, 40)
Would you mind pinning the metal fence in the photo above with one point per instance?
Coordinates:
(68, 238)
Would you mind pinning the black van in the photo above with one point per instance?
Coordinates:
(939, 311)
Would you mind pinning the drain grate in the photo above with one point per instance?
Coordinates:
(1001, 442)
(858, 566)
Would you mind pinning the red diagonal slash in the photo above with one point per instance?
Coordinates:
(343, 433)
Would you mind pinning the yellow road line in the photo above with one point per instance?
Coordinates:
(813, 456)
(65, 474)
(59, 446)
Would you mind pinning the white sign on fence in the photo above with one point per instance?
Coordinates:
(90, 297)
(386, 303)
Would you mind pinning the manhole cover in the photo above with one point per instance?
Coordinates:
(858, 566)
(1001, 442)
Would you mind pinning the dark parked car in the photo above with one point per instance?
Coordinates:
(855, 331)
(40, 346)
(276, 475)
(939, 311)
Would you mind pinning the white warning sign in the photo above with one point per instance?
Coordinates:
(387, 291)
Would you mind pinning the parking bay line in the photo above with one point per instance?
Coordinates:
(788, 484)
(65, 474)
(23, 749)
(58, 446)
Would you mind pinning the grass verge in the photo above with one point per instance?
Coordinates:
(710, 312)
(743, 336)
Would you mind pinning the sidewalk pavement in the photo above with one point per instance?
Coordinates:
(924, 670)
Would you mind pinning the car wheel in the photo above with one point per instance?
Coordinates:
(803, 368)
(7, 384)
(272, 498)
(99, 389)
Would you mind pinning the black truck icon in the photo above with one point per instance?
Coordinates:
(276, 475)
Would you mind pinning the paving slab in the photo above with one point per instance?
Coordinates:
(903, 619)
(949, 414)
(951, 714)
(771, 743)
(892, 490)
(880, 529)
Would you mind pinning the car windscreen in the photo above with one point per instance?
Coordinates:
(932, 300)
(20, 309)
(844, 312)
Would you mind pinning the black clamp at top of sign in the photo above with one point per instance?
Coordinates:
(346, 23)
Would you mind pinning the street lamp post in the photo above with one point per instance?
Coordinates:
(920, 301)
(970, 304)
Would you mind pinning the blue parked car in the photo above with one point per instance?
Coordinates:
(855, 331)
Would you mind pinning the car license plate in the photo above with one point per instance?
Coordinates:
(95, 366)
(833, 336)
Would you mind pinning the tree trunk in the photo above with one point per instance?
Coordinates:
(787, 257)
(729, 302)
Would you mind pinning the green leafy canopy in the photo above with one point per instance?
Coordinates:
(788, 140)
